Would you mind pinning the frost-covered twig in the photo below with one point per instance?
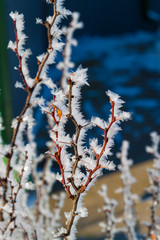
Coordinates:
(67, 64)
(154, 188)
(128, 197)
(109, 226)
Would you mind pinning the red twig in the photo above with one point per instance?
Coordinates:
(57, 155)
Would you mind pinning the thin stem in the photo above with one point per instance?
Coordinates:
(48, 26)
(39, 192)
(73, 215)
(57, 154)
(155, 204)
(19, 57)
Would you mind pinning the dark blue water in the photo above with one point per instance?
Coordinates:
(130, 66)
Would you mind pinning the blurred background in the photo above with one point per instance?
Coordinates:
(120, 44)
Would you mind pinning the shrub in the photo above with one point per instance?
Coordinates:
(80, 163)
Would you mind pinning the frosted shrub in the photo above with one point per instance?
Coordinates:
(80, 163)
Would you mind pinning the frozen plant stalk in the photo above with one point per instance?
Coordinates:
(128, 197)
(154, 188)
(67, 64)
(109, 226)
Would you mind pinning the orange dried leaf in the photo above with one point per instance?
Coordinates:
(37, 79)
(152, 236)
(59, 113)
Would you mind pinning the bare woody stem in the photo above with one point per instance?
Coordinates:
(78, 127)
(73, 215)
(77, 158)
(57, 155)
(30, 92)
